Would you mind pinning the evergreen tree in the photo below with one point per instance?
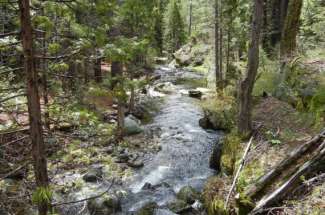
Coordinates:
(174, 35)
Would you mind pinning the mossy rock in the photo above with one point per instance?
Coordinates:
(219, 113)
(177, 205)
(105, 205)
(148, 209)
(188, 194)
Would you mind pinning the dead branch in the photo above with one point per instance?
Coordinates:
(242, 162)
(317, 163)
(12, 97)
(268, 178)
(14, 141)
(83, 200)
(15, 170)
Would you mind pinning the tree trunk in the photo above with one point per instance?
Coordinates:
(98, 70)
(116, 70)
(216, 43)
(247, 85)
(120, 118)
(290, 30)
(34, 109)
(221, 47)
(132, 100)
(190, 18)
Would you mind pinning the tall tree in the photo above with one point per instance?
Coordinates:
(174, 35)
(34, 109)
(217, 43)
(290, 29)
(190, 18)
(289, 35)
(247, 85)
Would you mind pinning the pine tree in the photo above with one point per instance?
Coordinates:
(174, 36)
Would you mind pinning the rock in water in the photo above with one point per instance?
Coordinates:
(195, 94)
(105, 205)
(148, 209)
(93, 175)
(132, 125)
(215, 158)
(177, 206)
(188, 194)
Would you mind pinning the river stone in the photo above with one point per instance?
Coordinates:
(215, 157)
(93, 175)
(195, 94)
(132, 125)
(148, 209)
(177, 206)
(123, 157)
(188, 194)
(105, 205)
(135, 163)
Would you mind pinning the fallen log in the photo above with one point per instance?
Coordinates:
(268, 178)
(315, 165)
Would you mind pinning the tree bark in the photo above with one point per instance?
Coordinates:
(216, 43)
(190, 18)
(98, 70)
(247, 85)
(34, 109)
(116, 70)
(290, 29)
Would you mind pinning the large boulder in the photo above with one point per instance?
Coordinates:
(132, 125)
(217, 120)
(105, 205)
(188, 194)
(183, 56)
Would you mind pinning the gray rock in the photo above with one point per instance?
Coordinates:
(123, 157)
(183, 56)
(93, 175)
(188, 194)
(105, 205)
(148, 209)
(132, 125)
(135, 163)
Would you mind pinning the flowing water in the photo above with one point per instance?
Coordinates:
(186, 147)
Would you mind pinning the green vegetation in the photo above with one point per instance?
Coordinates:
(74, 75)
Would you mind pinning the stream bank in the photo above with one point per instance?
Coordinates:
(172, 178)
